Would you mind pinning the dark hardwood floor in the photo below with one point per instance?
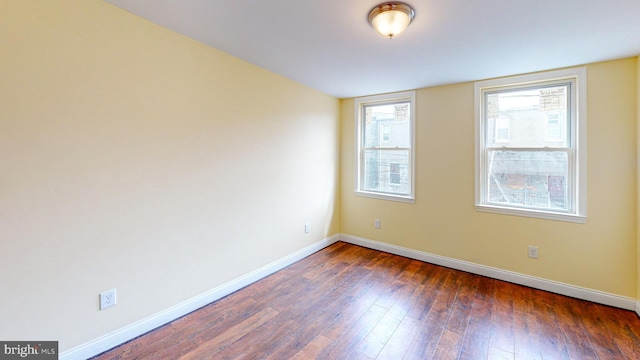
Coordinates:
(349, 302)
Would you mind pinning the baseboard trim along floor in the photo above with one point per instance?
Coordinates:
(143, 326)
(495, 273)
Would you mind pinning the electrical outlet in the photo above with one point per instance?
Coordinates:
(533, 252)
(107, 299)
(376, 223)
(307, 228)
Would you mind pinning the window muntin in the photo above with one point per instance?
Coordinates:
(385, 155)
(539, 170)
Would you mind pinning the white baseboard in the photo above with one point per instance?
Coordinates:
(513, 277)
(138, 328)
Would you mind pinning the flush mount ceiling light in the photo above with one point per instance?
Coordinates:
(391, 18)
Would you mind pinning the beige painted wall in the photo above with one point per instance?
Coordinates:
(597, 255)
(638, 180)
(134, 158)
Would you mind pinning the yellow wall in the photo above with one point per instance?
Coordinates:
(596, 255)
(638, 180)
(134, 158)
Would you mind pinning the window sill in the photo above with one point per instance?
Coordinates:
(580, 219)
(382, 196)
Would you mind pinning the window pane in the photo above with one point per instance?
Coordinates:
(535, 179)
(387, 171)
(528, 117)
(387, 126)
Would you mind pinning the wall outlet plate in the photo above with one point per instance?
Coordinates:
(533, 252)
(107, 299)
(376, 223)
(307, 228)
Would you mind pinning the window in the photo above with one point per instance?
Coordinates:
(530, 145)
(385, 151)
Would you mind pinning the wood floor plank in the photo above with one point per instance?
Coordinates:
(433, 326)
(449, 346)
(348, 341)
(211, 347)
(264, 340)
(424, 299)
(382, 332)
(312, 349)
(350, 302)
(499, 354)
(363, 297)
(526, 336)
(459, 318)
(570, 323)
(426, 340)
(401, 340)
(522, 299)
(552, 341)
(476, 340)
(600, 334)
(502, 335)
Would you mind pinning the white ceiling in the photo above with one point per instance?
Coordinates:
(329, 45)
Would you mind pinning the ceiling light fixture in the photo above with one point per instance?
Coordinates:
(391, 18)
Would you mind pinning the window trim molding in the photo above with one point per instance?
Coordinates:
(382, 99)
(579, 138)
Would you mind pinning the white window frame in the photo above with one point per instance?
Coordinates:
(577, 181)
(382, 99)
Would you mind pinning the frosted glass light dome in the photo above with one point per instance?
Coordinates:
(391, 18)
